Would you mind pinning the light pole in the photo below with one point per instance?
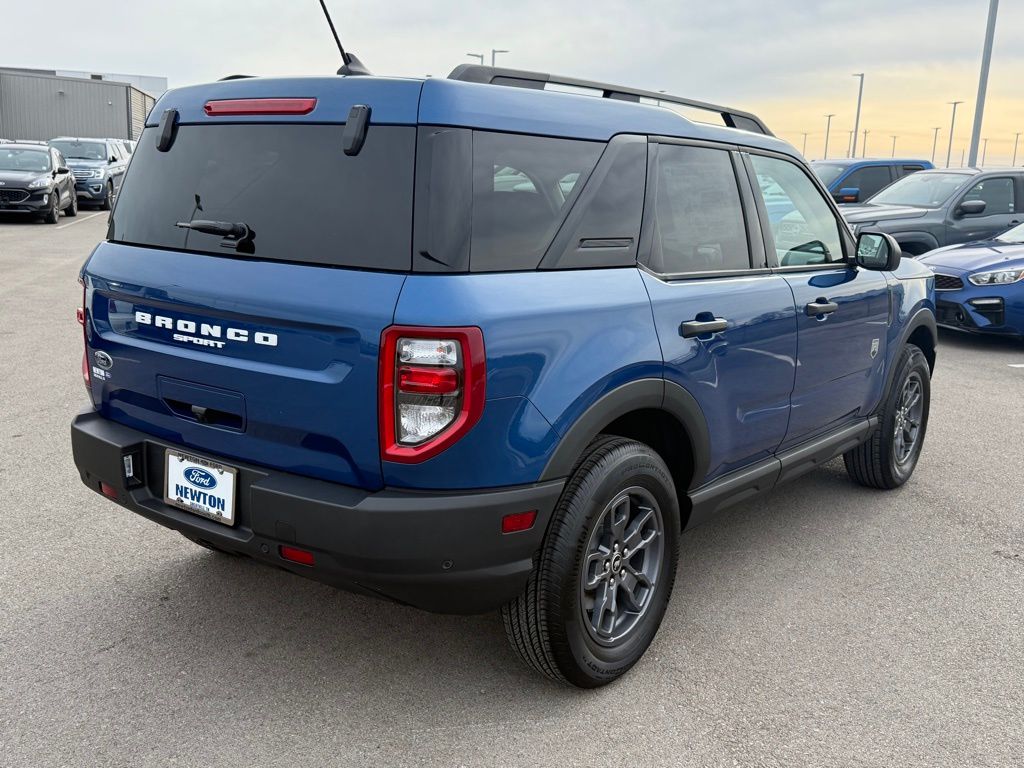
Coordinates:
(952, 122)
(984, 150)
(804, 150)
(986, 59)
(935, 142)
(864, 149)
(849, 143)
(856, 120)
(963, 154)
(828, 128)
(495, 52)
(1016, 138)
(894, 145)
(477, 56)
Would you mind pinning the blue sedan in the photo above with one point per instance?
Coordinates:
(979, 286)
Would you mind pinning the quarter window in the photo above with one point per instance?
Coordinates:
(803, 226)
(698, 218)
(997, 194)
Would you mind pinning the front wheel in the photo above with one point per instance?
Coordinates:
(72, 209)
(108, 199)
(888, 458)
(53, 212)
(604, 576)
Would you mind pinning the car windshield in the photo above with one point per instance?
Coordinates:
(926, 190)
(81, 150)
(24, 160)
(827, 173)
(1015, 235)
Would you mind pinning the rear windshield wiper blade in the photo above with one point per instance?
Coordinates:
(238, 234)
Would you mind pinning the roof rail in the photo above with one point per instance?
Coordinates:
(475, 73)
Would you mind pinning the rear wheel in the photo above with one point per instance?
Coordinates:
(601, 586)
(53, 213)
(888, 458)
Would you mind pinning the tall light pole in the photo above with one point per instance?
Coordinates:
(494, 54)
(986, 59)
(1016, 138)
(828, 128)
(952, 122)
(894, 145)
(856, 120)
(984, 150)
(935, 142)
(477, 56)
(963, 154)
(849, 144)
(804, 150)
(864, 149)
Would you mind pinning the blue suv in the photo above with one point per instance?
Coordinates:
(853, 180)
(472, 343)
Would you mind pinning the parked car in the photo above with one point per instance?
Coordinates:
(853, 180)
(98, 166)
(36, 180)
(462, 376)
(934, 208)
(980, 286)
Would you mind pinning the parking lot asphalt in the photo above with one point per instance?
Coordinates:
(821, 625)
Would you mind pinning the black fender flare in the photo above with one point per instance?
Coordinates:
(923, 317)
(925, 238)
(656, 394)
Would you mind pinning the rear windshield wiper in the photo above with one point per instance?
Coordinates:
(238, 235)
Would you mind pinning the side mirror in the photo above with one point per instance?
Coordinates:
(63, 171)
(878, 251)
(971, 207)
(848, 195)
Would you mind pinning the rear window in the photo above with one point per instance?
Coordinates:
(292, 185)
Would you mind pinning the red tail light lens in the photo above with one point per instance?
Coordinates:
(431, 389)
(233, 107)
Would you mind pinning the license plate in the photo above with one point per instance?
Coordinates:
(200, 486)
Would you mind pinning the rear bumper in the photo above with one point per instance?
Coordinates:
(442, 552)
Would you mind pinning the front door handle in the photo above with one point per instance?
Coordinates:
(820, 307)
(692, 328)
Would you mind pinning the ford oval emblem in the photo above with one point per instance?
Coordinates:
(200, 478)
(103, 360)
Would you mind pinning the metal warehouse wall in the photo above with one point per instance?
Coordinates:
(41, 107)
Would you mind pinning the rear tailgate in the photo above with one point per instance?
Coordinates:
(265, 353)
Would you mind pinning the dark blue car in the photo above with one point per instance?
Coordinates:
(468, 344)
(980, 286)
(853, 180)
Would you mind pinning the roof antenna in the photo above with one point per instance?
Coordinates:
(350, 65)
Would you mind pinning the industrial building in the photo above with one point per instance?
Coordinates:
(38, 106)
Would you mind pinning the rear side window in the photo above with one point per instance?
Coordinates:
(292, 185)
(698, 218)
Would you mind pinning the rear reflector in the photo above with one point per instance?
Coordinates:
(108, 490)
(429, 381)
(296, 555)
(518, 521)
(225, 107)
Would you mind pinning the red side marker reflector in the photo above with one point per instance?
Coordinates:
(108, 490)
(225, 107)
(80, 315)
(295, 555)
(518, 521)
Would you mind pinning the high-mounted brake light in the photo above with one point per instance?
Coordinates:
(431, 389)
(275, 106)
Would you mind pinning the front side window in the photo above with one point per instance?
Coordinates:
(997, 195)
(698, 217)
(827, 172)
(802, 224)
(868, 180)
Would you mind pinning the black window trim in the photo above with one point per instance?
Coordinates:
(845, 235)
(755, 243)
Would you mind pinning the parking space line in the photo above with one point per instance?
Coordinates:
(80, 219)
(1016, 365)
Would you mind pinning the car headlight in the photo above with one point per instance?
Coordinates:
(97, 173)
(1000, 277)
(42, 183)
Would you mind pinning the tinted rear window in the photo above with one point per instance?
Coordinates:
(305, 199)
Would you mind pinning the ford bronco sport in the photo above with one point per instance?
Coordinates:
(476, 343)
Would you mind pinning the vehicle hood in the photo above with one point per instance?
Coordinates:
(857, 214)
(20, 178)
(974, 257)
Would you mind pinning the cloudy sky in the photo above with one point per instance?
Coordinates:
(788, 60)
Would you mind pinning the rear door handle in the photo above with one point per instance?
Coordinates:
(820, 307)
(692, 328)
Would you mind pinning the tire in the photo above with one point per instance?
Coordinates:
(53, 213)
(108, 199)
(620, 492)
(883, 461)
(72, 209)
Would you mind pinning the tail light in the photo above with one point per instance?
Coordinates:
(431, 389)
(80, 315)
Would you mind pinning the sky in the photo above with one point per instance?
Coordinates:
(789, 61)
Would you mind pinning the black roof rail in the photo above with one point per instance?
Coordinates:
(475, 73)
(236, 77)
